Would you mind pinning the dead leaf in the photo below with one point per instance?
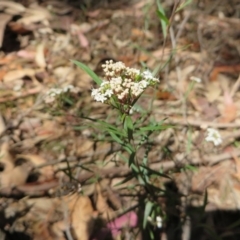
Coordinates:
(46, 172)
(83, 40)
(83, 146)
(20, 28)
(165, 95)
(34, 14)
(6, 157)
(27, 54)
(12, 7)
(7, 59)
(101, 201)
(15, 177)
(235, 68)
(39, 57)
(202, 105)
(81, 215)
(4, 19)
(229, 112)
(12, 175)
(213, 91)
(2, 125)
(18, 74)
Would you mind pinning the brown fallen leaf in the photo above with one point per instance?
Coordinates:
(4, 19)
(12, 175)
(12, 7)
(6, 158)
(164, 95)
(101, 204)
(34, 14)
(82, 39)
(229, 112)
(39, 57)
(15, 177)
(20, 28)
(18, 74)
(213, 91)
(81, 215)
(235, 68)
(46, 173)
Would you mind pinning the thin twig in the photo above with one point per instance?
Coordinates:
(235, 87)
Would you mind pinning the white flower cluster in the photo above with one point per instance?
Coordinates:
(123, 82)
(52, 93)
(213, 136)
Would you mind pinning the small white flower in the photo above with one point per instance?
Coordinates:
(68, 88)
(159, 221)
(51, 94)
(196, 79)
(104, 83)
(143, 84)
(213, 136)
(147, 75)
(100, 98)
(108, 93)
(95, 92)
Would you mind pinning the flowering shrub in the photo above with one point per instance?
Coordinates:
(123, 84)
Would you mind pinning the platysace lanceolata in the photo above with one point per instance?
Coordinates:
(122, 85)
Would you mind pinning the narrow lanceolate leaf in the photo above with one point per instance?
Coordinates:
(129, 123)
(154, 128)
(128, 126)
(115, 137)
(92, 74)
(163, 19)
(183, 5)
(148, 209)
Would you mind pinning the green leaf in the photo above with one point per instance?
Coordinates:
(162, 16)
(129, 148)
(191, 167)
(147, 211)
(110, 128)
(67, 100)
(115, 137)
(92, 74)
(128, 127)
(163, 19)
(131, 161)
(151, 172)
(128, 123)
(154, 128)
(126, 179)
(183, 5)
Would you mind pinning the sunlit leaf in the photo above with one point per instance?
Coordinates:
(147, 211)
(86, 69)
